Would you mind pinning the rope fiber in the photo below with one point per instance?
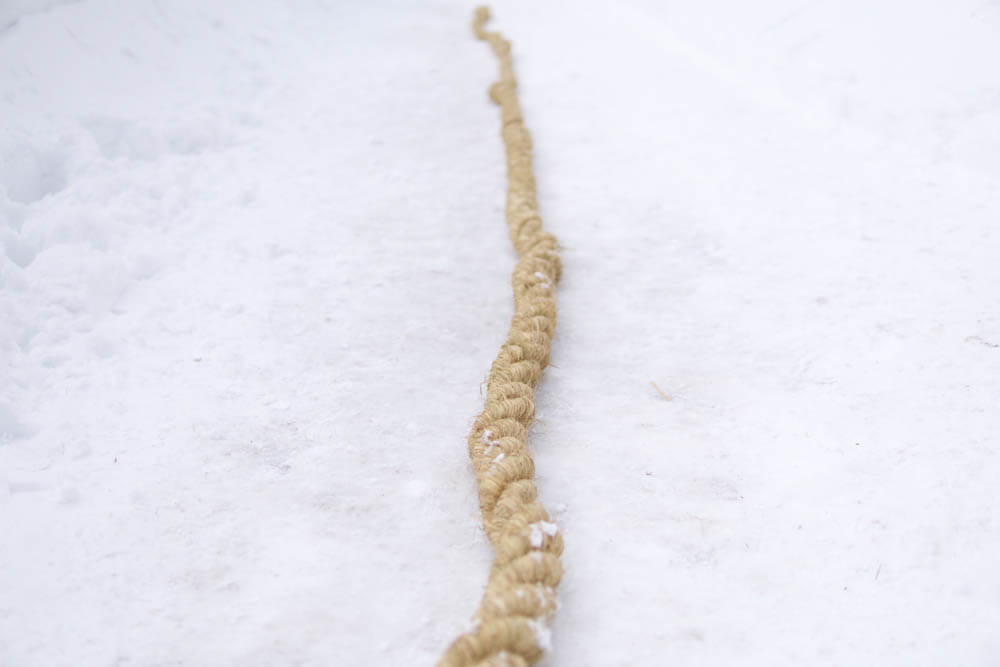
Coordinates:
(510, 628)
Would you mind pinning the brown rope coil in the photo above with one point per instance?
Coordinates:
(511, 626)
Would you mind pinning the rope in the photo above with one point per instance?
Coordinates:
(511, 626)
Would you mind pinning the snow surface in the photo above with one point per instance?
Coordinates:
(254, 272)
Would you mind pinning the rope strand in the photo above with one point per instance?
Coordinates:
(511, 626)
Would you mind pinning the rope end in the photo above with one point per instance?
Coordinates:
(482, 16)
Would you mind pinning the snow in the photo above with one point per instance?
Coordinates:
(536, 536)
(543, 280)
(254, 272)
(544, 634)
(539, 529)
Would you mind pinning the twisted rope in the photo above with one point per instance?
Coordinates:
(511, 626)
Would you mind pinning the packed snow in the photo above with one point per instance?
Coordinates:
(254, 271)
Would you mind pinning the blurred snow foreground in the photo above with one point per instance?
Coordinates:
(242, 338)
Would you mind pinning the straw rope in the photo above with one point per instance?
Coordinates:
(511, 626)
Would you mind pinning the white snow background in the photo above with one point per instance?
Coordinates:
(255, 269)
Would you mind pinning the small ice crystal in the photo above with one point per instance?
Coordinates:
(540, 528)
(503, 659)
(544, 278)
(490, 444)
(542, 634)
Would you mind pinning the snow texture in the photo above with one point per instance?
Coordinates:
(254, 270)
